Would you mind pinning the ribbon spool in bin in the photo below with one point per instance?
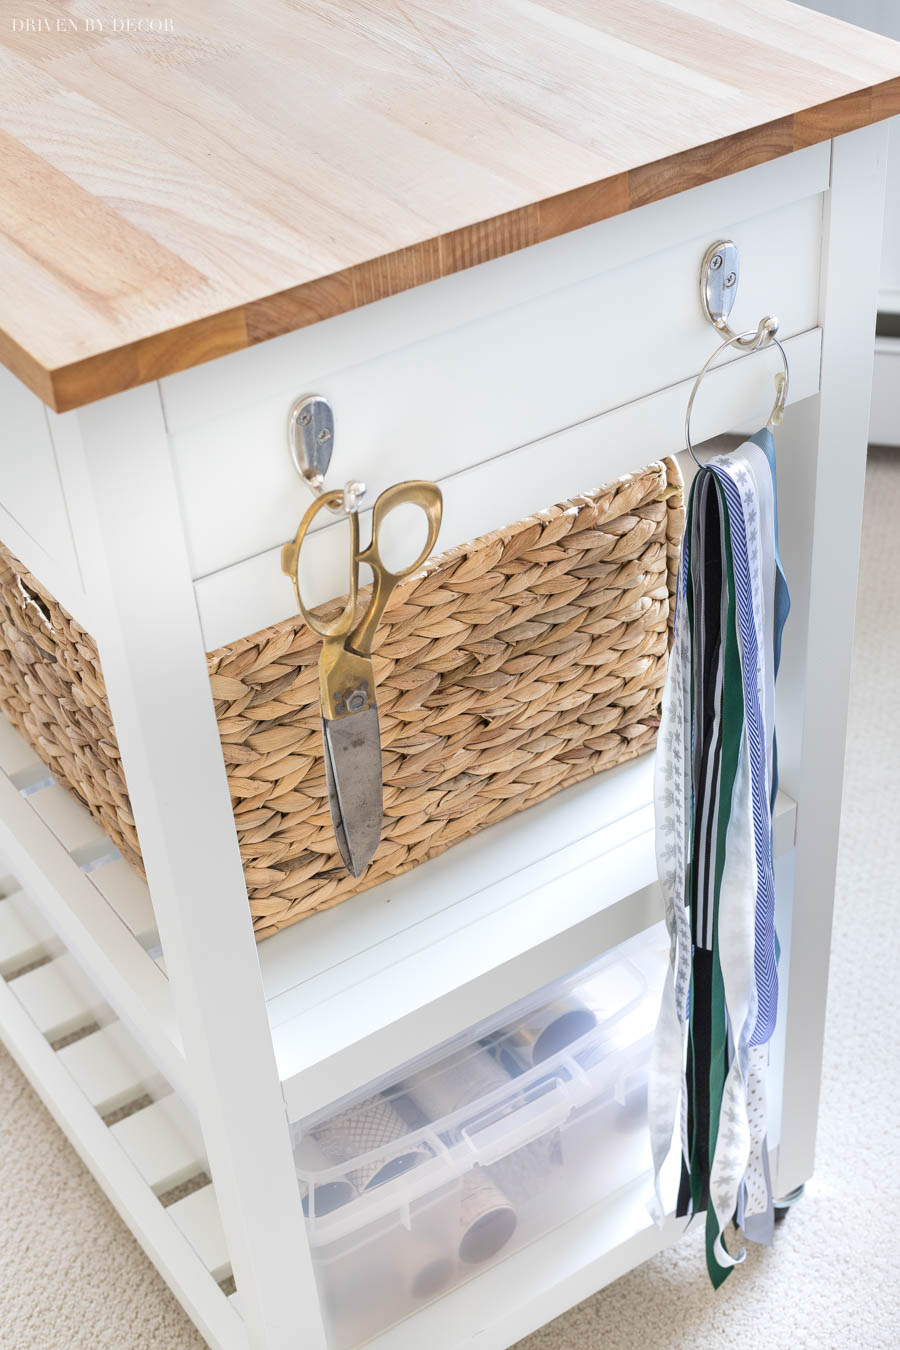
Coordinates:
(546, 1032)
(487, 1218)
(429, 1279)
(326, 1196)
(423, 1266)
(524, 1170)
(371, 1126)
(462, 1079)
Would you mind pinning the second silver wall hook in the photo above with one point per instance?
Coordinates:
(311, 443)
(720, 273)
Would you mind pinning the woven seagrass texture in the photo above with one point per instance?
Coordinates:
(507, 669)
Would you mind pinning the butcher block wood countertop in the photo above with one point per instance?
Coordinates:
(247, 167)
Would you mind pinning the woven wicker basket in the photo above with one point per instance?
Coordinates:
(509, 668)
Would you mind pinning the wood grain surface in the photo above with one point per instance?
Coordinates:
(248, 167)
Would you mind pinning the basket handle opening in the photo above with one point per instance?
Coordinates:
(31, 600)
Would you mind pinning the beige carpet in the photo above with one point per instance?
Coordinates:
(72, 1278)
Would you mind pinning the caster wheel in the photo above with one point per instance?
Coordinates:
(784, 1204)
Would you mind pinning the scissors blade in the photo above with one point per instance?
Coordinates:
(353, 770)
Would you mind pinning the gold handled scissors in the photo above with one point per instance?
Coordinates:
(350, 732)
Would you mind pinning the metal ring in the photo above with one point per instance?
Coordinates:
(739, 339)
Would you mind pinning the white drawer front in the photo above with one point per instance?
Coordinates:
(515, 373)
(252, 594)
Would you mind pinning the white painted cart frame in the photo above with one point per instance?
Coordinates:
(250, 1037)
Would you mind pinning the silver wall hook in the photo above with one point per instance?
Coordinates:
(720, 273)
(311, 443)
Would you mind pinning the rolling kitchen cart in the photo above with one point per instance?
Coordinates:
(478, 230)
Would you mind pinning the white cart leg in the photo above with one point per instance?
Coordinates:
(821, 482)
(125, 515)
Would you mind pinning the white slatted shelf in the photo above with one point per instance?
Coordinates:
(25, 935)
(79, 834)
(72, 825)
(161, 1141)
(58, 998)
(128, 894)
(110, 1069)
(141, 1156)
(16, 755)
(197, 1216)
(59, 854)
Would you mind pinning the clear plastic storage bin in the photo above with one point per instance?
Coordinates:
(413, 1186)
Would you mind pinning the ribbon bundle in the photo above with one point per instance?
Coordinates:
(716, 779)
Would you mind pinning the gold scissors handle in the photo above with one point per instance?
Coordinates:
(290, 564)
(345, 672)
(417, 492)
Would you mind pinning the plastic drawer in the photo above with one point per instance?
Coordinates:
(413, 1186)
